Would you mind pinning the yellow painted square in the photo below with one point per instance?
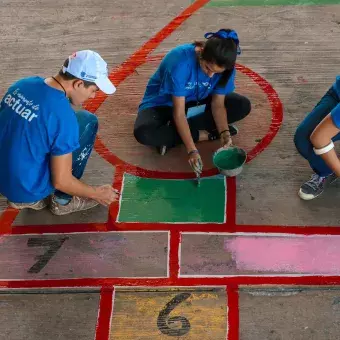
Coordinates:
(148, 315)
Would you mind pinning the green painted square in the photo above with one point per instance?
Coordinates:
(223, 3)
(173, 201)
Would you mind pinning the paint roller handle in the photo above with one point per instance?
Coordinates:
(195, 162)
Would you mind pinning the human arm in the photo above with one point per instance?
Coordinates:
(321, 137)
(63, 180)
(183, 130)
(219, 113)
(181, 123)
(219, 110)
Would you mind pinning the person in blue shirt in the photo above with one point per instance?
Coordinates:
(190, 97)
(45, 144)
(314, 139)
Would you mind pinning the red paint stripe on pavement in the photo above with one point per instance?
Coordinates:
(233, 313)
(139, 57)
(174, 256)
(277, 117)
(231, 203)
(189, 227)
(167, 282)
(59, 229)
(105, 313)
(277, 111)
(6, 220)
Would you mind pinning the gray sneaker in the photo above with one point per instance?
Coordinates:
(76, 204)
(35, 205)
(315, 186)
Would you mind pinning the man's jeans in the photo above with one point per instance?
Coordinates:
(302, 135)
(88, 127)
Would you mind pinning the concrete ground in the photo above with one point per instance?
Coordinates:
(240, 258)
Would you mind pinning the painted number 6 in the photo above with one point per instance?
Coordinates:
(164, 321)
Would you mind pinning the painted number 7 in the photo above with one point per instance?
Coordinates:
(53, 246)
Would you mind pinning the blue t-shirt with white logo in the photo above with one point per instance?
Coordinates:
(178, 75)
(36, 122)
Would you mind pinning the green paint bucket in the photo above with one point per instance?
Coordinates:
(230, 161)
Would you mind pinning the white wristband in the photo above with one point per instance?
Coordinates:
(325, 149)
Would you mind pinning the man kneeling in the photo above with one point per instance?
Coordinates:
(45, 144)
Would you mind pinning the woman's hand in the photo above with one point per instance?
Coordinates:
(226, 140)
(195, 162)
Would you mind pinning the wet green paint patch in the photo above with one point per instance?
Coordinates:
(223, 3)
(174, 201)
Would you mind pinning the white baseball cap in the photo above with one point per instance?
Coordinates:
(90, 66)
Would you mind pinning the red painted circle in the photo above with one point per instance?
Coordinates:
(277, 116)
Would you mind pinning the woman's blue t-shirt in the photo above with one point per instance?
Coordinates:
(180, 75)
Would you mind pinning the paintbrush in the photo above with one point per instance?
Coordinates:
(198, 179)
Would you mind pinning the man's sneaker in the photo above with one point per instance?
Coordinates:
(313, 188)
(76, 204)
(35, 205)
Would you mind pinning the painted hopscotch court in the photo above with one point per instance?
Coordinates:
(236, 258)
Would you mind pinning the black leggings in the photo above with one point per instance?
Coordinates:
(152, 129)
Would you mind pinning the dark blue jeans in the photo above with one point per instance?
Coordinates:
(88, 127)
(307, 126)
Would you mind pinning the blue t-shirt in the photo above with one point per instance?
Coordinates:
(178, 75)
(36, 122)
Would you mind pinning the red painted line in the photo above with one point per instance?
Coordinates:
(233, 313)
(190, 227)
(231, 203)
(174, 261)
(59, 229)
(105, 313)
(277, 117)
(210, 227)
(277, 111)
(139, 57)
(135, 60)
(167, 282)
(297, 230)
(6, 220)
